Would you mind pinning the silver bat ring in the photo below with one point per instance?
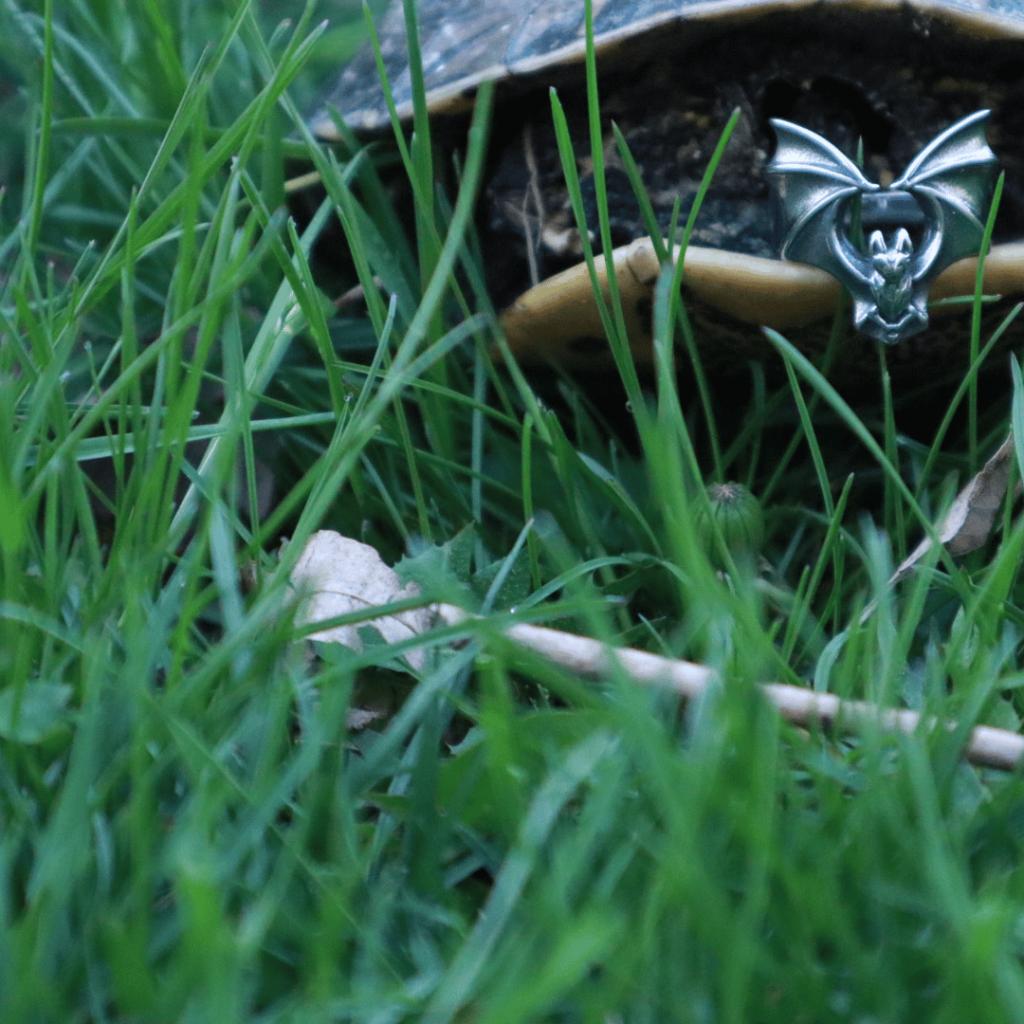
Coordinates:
(913, 229)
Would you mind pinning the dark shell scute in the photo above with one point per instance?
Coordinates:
(551, 28)
(466, 42)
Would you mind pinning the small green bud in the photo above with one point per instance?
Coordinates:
(738, 515)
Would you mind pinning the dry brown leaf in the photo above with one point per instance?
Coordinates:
(971, 517)
(341, 576)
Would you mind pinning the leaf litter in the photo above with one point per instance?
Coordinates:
(339, 576)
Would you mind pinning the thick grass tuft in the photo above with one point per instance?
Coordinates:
(192, 827)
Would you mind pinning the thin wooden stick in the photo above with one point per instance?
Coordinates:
(986, 745)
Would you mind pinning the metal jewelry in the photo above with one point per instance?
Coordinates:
(912, 229)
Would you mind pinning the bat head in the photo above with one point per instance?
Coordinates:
(895, 313)
(891, 277)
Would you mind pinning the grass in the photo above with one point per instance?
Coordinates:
(189, 831)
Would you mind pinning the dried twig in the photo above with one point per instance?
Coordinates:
(985, 745)
(340, 576)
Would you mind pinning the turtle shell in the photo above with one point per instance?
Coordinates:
(465, 42)
(887, 76)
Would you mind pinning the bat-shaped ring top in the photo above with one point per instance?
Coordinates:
(915, 228)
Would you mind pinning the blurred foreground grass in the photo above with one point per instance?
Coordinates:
(189, 831)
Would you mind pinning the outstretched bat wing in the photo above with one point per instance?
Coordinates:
(952, 178)
(813, 181)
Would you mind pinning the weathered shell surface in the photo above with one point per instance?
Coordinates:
(886, 75)
(466, 42)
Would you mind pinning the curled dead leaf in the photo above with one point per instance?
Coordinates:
(340, 576)
(969, 521)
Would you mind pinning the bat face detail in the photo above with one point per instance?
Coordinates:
(892, 288)
(927, 219)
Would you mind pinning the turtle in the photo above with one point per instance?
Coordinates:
(878, 78)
